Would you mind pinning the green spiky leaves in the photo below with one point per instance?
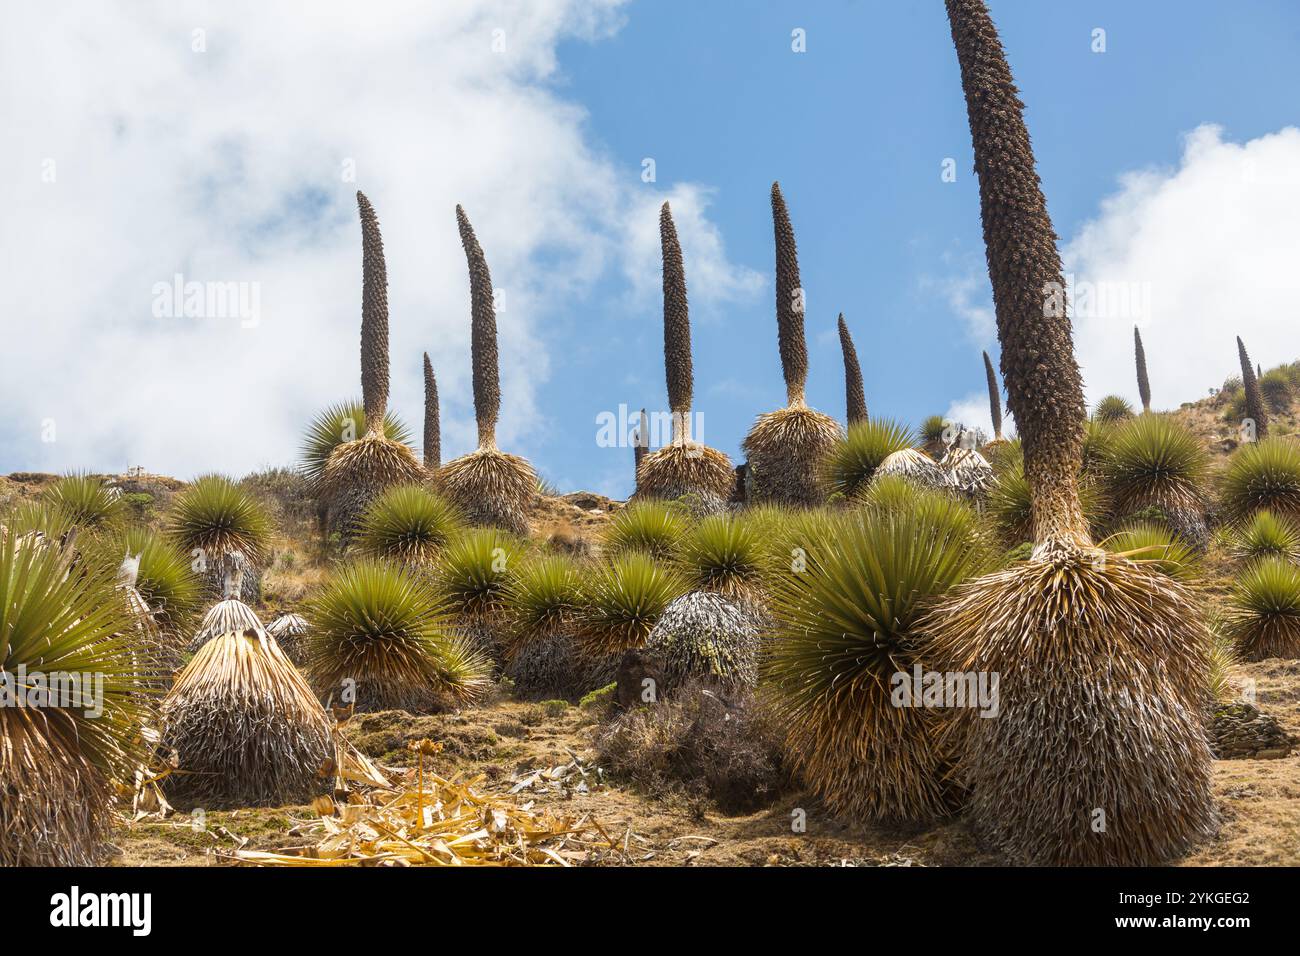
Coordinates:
(339, 423)
(1263, 615)
(846, 625)
(853, 460)
(408, 524)
(219, 518)
(60, 761)
(378, 630)
(652, 527)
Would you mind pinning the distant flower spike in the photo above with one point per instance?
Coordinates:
(995, 397)
(1254, 400)
(677, 328)
(1144, 384)
(855, 398)
(432, 428)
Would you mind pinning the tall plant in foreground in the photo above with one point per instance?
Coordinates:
(1255, 410)
(787, 448)
(59, 764)
(683, 466)
(1144, 384)
(357, 471)
(847, 629)
(1102, 661)
(855, 396)
(489, 486)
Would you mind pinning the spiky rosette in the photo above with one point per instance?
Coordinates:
(787, 451)
(622, 602)
(61, 755)
(360, 471)
(705, 636)
(1154, 462)
(432, 426)
(855, 396)
(1255, 409)
(727, 555)
(336, 424)
(1264, 535)
(380, 639)
(542, 602)
(1112, 409)
(491, 488)
(687, 469)
(1144, 384)
(408, 524)
(915, 466)
(1263, 475)
(90, 502)
(1263, 614)
(845, 647)
(995, 398)
(1064, 636)
(853, 460)
(245, 727)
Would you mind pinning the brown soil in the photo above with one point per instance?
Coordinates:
(506, 741)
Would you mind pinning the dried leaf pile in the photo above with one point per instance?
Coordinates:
(441, 823)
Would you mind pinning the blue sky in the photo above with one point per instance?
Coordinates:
(1168, 161)
(856, 129)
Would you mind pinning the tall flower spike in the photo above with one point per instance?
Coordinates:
(1254, 400)
(1144, 384)
(995, 397)
(789, 303)
(483, 335)
(855, 397)
(1044, 389)
(432, 428)
(374, 319)
(677, 327)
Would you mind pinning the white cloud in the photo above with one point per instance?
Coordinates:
(1213, 246)
(227, 165)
